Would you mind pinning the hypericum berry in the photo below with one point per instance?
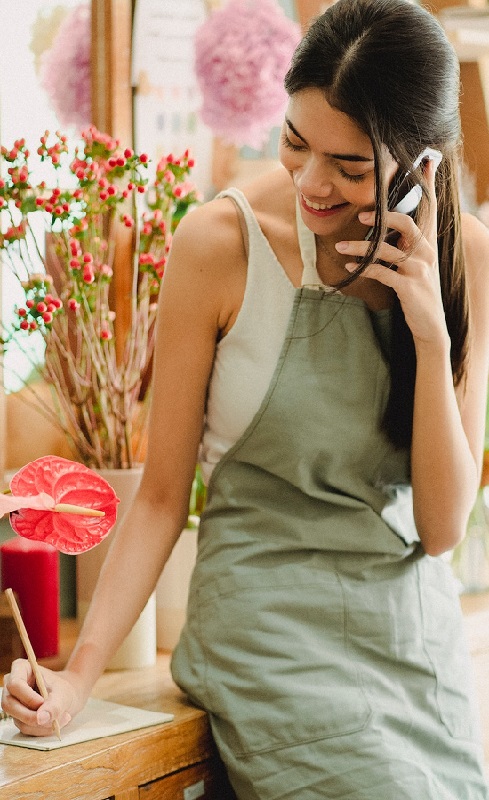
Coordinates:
(73, 304)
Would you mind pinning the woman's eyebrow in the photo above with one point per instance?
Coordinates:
(338, 156)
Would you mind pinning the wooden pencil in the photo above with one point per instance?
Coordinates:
(30, 653)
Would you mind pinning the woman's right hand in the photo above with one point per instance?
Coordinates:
(33, 715)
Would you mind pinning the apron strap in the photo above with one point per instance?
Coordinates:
(307, 244)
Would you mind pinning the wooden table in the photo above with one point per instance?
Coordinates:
(173, 761)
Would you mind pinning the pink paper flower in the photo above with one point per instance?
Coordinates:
(65, 71)
(43, 487)
(242, 54)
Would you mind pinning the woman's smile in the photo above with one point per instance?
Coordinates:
(321, 209)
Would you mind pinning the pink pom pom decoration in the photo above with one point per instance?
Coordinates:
(60, 502)
(242, 54)
(65, 71)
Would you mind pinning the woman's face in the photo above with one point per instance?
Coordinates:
(331, 163)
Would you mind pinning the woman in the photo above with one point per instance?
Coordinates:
(340, 430)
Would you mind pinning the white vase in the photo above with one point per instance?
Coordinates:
(172, 590)
(139, 648)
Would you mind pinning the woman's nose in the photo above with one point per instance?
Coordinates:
(315, 179)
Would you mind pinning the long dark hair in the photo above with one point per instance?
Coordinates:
(388, 65)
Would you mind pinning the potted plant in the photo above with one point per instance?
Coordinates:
(98, 373)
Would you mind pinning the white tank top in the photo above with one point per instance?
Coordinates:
(246, 357)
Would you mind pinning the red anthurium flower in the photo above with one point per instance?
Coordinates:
(61, 502)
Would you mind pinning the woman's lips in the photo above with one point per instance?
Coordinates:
(324, 210)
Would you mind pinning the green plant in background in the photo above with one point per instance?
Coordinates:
(197, 499)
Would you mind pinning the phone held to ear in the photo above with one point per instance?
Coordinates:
(405, 196)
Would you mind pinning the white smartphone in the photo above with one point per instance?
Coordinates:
(404, 196)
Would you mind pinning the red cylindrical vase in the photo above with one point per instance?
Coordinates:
(31, 570)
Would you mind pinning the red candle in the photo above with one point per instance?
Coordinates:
(31, 570)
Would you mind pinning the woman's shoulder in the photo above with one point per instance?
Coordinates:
(210, 228)
(214, 228)
(475, 237)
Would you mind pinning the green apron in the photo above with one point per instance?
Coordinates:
(326, 646)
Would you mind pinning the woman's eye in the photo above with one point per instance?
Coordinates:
(350, 177)
(287, 143)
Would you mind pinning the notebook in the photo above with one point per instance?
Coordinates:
(99, 718)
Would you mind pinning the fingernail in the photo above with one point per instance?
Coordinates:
(43, 717)
(65, 718)
(351, 267)
(366, 216)
(341, 246)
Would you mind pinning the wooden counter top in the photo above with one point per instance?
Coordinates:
(173, 761)
(152, 763)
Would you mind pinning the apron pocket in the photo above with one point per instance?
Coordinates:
(278, 672)
(446, 647)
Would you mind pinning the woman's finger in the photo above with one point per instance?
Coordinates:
(382, 274)
(386, 252)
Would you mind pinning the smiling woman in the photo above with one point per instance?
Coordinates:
(323, 636)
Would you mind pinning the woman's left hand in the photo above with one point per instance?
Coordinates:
(416, 279)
